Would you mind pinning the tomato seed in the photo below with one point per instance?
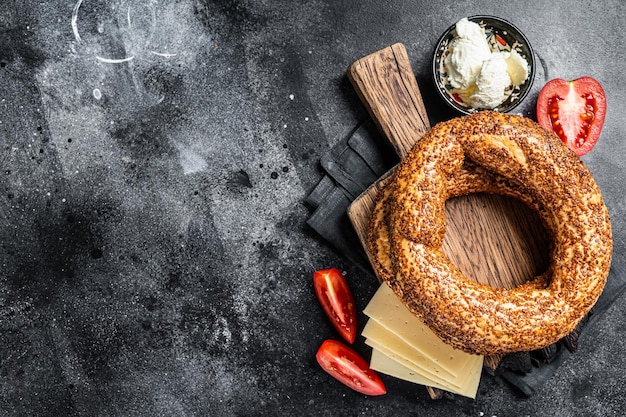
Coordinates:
(587, 118)
(553, 111)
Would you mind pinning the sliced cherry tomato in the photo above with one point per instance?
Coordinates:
(348, 367)
(337, 301)
(574, 110)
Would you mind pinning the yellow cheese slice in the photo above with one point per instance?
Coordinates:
(387, 342)
(386, 365)
(406, 348)
(391, 349)
(382, 339)
(386, 309)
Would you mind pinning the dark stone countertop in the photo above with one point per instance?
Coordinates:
(155, 160)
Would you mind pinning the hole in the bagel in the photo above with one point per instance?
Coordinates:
(495, 240)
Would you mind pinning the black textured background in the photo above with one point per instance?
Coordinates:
(154, 254)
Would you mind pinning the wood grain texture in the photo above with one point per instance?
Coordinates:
(387, 87)
(492, 239)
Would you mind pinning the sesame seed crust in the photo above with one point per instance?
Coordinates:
(502, 154)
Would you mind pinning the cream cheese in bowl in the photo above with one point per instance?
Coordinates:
(483, 63)
(467, 52)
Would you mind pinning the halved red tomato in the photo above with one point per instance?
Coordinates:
(337, 301)
(348, 367)
(574, 110)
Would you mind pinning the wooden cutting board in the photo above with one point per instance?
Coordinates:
(492, 239)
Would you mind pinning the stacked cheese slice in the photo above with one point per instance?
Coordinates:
(404, 347)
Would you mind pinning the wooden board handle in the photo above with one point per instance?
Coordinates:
(387, 87)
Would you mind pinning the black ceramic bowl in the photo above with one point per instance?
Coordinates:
(501, 36)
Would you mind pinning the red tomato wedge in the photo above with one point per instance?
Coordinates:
(574, 110)
(337, 301)
(349, 368)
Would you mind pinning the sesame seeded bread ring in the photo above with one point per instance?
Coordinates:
(506, 154)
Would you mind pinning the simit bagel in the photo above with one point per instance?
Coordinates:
(505, 154)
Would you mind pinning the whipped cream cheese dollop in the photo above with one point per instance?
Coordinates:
(468, 51)
(491, 83)
(481, 77)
